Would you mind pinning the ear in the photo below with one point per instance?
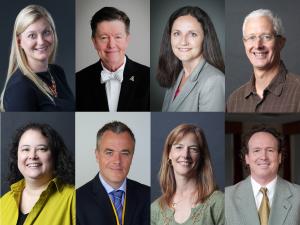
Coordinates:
(97, 154)
(281, 42)
(18, 41)
(280, 158)
(246, 159)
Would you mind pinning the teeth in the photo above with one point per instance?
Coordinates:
(33, 165)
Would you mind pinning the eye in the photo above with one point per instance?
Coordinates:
(31, 36)
(47, 32)
(175, 33)
(125, 152)
(267, 37)
(108, 152)
(194, 149)
(25, 149)
(193, 34)
(42, 148)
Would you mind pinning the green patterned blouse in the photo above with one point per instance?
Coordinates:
(211, 212)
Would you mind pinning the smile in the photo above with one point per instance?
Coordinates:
(260, 54)
(42, 49)
(185, 163)
(33, 165)
(184, 49)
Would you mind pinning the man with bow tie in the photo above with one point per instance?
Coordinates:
(115, 82)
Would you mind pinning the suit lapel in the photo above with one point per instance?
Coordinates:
(102, 199)
(131, 203)
(187, 87)
(281, 204)
(101, 92)
(246, 203)
(126, 87)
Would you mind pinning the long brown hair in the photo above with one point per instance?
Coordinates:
(204, 177)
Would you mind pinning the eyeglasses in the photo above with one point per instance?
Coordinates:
(263, 37)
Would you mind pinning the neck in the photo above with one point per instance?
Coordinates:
(184, 184)
(263, 78)
(38, 66)
(263, 181)
(36, 186)
(113, 67)
(189, 66)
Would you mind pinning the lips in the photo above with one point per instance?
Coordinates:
(41, 49)
(34, 165)
(184, 49)
(260, 55)
(184, 163)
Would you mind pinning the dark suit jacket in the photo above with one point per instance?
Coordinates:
(93, 206)
(134, 94)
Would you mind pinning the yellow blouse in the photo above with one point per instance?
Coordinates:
(56, 205)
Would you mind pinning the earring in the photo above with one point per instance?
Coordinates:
(170, 162)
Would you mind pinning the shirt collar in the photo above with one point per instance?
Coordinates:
(109, 188)
(274, 87)
(121, 68)
(270, 186)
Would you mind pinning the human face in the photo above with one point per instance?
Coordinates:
(111, 42)
(187, 39)
(34, 156)
(185, 155)
(114, 155)
(37, 42)
(263, 157)
(262, 54)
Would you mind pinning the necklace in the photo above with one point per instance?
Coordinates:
(52, 87)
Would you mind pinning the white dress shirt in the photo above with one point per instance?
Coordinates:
(258, 195)
(113, 86)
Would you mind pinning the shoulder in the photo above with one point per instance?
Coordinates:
(138, 187)
(293, 79)
(68, 189)
(86, 188)
(7, 197)
(240, 92)
(295, 188)
(56, 68)
(137, 67)
(90, 69)
(216, 199)
(213, 71)
(18, 77)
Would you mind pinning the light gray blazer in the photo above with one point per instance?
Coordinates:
(203, 91)
(240, 208)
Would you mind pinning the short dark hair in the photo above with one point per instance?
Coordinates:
(116, 127)
(63, 162)
(109, 14)
(169, 66)
(266, 129)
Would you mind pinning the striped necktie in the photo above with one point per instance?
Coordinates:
(264, 208)
(117, 200)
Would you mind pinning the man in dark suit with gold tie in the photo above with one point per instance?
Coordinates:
(264, 198)
(115, 82)
(111, 198)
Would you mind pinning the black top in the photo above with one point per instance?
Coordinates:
(22, 94)
(21, 219)
(134, 94)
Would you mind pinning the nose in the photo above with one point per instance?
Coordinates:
(32, 154)
(186, 152)
(111, 42)
(264, 154)
(117, 158)
(40, 39)
(258, 42)
(184, 40)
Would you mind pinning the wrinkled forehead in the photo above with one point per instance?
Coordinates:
(263, 140)
(258, 25)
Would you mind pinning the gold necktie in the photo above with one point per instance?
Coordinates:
(264, 209)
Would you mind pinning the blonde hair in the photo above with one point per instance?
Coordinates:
(203, 173)
(18, 60)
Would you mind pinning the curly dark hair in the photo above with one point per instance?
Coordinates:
(63, 162)
(169, 65)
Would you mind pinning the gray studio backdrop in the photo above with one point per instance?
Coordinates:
(160, 13)
(138, 12)
(238, 67)
(63, 123)
(63, 13)
(213, 127)
(87, 126)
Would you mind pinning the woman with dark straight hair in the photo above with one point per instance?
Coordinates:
(190, 63)
(189, 192)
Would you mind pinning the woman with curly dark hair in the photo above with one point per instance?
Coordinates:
(41, 178)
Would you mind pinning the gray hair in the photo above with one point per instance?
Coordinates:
(277, 23)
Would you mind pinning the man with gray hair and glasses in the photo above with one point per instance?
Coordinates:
(271, 88)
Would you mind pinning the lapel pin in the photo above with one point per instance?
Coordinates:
(131, 78)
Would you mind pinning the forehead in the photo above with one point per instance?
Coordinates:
(37, 25)
(262, 139)
(261, 24)
(114, 26)
(187, 22)
(188, 137)
(114, 140)
(32, 135)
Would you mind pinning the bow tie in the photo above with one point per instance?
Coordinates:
(106, 76)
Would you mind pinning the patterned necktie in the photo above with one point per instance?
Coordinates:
(117, 200)
(106, 76)
(264, 209)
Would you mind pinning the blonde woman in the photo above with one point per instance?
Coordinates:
(33, 83)
(189, 192)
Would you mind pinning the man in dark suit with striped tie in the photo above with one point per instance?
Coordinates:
(115, 82)
(111, 198)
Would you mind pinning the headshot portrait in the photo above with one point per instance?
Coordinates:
(262, 43)
(37, 169)
(184, 154)
(113, 164)
(262, 169)
(112, 55)
(187, 60)
(38, 65)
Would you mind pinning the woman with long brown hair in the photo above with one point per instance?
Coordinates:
(189, 192)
